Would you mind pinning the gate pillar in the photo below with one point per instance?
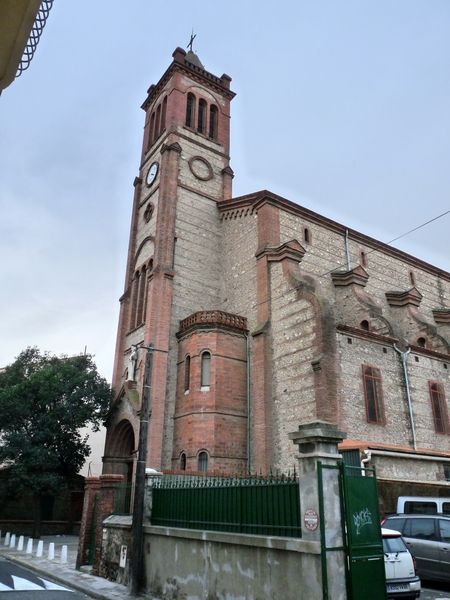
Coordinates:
(91, 489)
(320, 504)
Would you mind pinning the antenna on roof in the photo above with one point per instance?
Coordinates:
(191, 41)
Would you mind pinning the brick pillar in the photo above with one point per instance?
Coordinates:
(318, 441)
(105, 507)
(91, 489)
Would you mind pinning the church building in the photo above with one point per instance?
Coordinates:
(265, 315)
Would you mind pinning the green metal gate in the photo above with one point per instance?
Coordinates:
(365, 559)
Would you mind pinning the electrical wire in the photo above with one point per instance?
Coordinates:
(340, 265)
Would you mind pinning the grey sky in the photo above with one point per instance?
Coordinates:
(342, 106)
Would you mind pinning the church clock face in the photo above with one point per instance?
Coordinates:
(152, 173)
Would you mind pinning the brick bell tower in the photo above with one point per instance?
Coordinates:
(174, 272)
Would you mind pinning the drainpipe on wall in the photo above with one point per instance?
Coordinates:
(365, 461)
(404, 359)
(249, 455)
(347, 252)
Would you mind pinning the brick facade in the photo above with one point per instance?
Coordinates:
(291, 319)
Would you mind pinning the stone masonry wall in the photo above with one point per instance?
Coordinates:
(294, 348)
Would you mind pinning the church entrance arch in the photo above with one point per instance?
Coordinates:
(119, 458)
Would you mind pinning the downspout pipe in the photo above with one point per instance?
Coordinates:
(347, 252)
(249, 451)
(404, 359)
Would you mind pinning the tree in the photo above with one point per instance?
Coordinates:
(44, 402)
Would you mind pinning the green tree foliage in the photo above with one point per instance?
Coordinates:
(44, 402)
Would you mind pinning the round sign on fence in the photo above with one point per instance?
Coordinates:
(311, 519)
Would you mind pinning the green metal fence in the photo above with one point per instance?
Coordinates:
(240, 505)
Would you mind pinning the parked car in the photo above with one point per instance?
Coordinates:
(428, 539)
(401, 578)
(423, 505)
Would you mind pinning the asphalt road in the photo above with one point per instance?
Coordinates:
(435, 591)
(17, 583)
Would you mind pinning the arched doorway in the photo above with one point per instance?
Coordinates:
(120, 451)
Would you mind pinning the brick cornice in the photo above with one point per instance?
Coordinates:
(411, 297)
(212, 318)
(357, 276)
(368, 335)
(228, 171)
(256, 199)
(441, 316)
(179, 64)
(388, 340)
(292, 250)
(174, 147)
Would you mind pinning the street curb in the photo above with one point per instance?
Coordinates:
(84, 589)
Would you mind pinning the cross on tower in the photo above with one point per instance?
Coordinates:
(191, 41)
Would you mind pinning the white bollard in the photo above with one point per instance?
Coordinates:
(63, 555)
(12, 543)
(51, 551)
(7, 538)
(20, 544)
(29, 549)
(40, 549)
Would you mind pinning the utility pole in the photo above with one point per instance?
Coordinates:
(137, 532)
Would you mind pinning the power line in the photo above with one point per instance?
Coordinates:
(369, 252)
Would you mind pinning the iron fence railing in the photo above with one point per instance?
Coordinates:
(241, 505)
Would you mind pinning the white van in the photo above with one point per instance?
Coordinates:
(423, 505)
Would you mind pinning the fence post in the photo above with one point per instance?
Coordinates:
(91, 488)
(320, 496)
(150, 475)
(108, 490)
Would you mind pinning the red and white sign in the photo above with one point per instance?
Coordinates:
(311, 519)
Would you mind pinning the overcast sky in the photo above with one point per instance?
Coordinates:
(342, 106)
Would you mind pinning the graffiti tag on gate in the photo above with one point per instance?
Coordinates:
(362, 518)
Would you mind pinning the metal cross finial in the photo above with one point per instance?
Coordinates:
(191, 41)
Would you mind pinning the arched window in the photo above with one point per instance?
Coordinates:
(422, 342)
(365, 325)
(307, 235)
(141, 299)
(373, 394)
(363, 258)
(213, 113)
(187, 373)
(201, 122)
(183, 461)
(152, 130)
(163, 114)
(439, 407)
(190, 105)
(206, 370)
(158, 122)
(134, 299)
(202, 461)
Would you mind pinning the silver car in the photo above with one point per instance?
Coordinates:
(428, 539)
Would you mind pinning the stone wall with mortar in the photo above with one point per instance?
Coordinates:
(293, 350)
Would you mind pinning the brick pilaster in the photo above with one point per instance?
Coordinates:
(160, 298)
(262, 446)
(105, 507)
(91, 490)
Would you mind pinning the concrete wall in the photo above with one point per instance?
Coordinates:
(184, 563)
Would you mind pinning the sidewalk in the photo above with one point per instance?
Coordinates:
(66, 574)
